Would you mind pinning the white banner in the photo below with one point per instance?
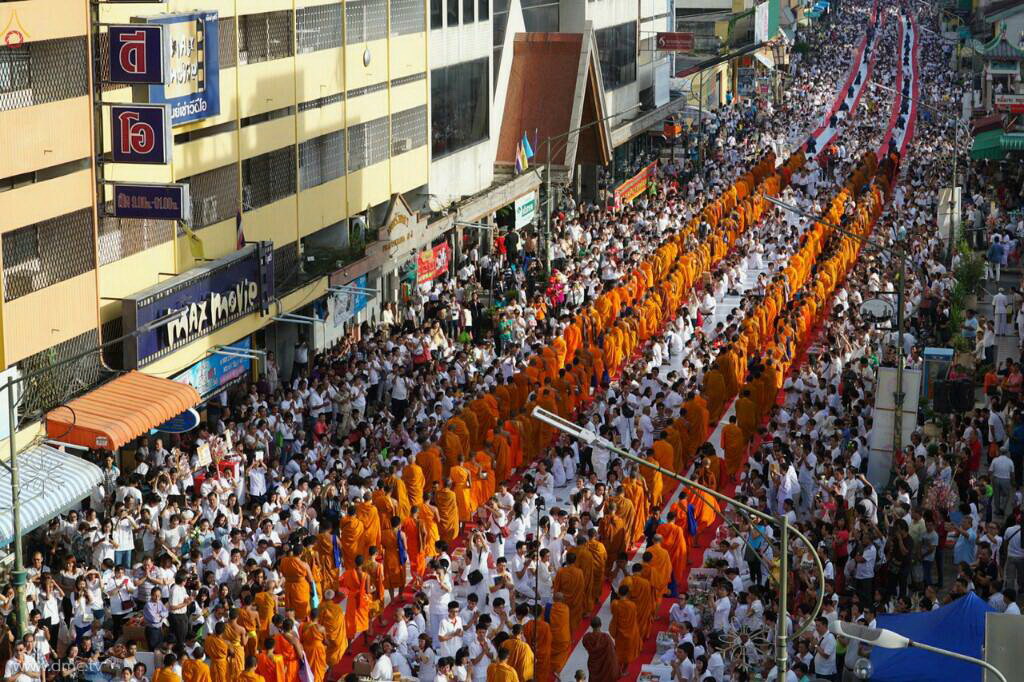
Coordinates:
(526, 209)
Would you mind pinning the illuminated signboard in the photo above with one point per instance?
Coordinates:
(192, 83)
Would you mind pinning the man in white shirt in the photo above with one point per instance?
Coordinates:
(1002, 470)
(177, 606)
(22, 667)
(449, 632)
(825, 651)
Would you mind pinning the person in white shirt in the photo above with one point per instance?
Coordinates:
(22, 667)
(382, 668)
(825, 651)
(1002, 470)
(450, 631)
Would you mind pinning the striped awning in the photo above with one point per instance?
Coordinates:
(51, 483)
(988, 145)
(1012, 142)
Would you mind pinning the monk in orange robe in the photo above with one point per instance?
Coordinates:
(415, 481)
(166, 672)
(332, 620)
(715, 393)
(394, 569)
(571, 583)
(249, 674)
(642, 593)
(217, 649)
(312, 636)
(612, 530)
(411, 533)
(500, 670)
(734, 445)
(297, 579)
(194, 669)
(520, 655)
(266, 605)
(674, 542)
(288, 646)
(426, 521)
(462, 485)
(355, 585)
(370, 518)
(624, 629)
(561, 633)
(269, 663)
(351, 536)
(538, 633)
(448, 512)
(747, 414)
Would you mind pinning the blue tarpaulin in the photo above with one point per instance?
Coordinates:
(959, 627)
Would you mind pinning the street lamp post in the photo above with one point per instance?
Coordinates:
(781, 629)
(901, 291)
(547, 177)
(887, 639)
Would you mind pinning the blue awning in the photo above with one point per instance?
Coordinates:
(52, 482)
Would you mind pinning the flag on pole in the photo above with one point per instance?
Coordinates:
(239, 232)
(520, 158)
(195, 244)
(527, 149)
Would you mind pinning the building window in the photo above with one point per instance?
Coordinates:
(540, 15)
(365, 20)
(318, 28)
(62, 382)
(408, 130)
(368, 144)
(436, 13)
(468, 11)
(15, 70)
(268, 178)
(460, 106)
(123, 237)
(483, 9)
(288, 274)
(264, 37)
(227, 43)
(407, 16)
(40, 255)
(214, 195)
(42, 72)
(321, 159)
(617, 48)
(453, 12)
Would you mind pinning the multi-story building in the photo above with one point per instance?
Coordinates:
(321, 137)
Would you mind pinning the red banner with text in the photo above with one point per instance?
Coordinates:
(432, 263)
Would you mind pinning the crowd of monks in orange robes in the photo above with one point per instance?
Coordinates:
(430, 498)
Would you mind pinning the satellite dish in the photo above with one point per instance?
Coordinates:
(877, 309)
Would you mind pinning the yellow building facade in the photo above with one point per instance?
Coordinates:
(323, 116)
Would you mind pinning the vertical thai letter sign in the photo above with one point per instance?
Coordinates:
(192, 86)
(138, 53)
(140, 133)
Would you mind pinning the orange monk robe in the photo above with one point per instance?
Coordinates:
(271, 667)
(417, 560)
(165, 675)
(674, 542)
(596, 550)
(236, 652)
(502, 451)
(538, 634)
(655, 482)
(485, 478)
(715, 393)
(415, 480)
(367, 514)
(332, 620)
(248, 676)
(250, 620)
(266, 605)
(429, 533)
(448, 511)
(665, 454)
(571, 582)
(637, 494)
(290, 656)
(501, 672)
(463, 489)
(323, 550)
(451, 444)
(296, 585)
(473, 427)
(734, 445)
(625, 631)
(351, 538)
(561, 636)
(356, 586)
(705, 509)
(746, 416)
(193, 670)
(216, 649)
(431, 463)
(312, 639)
(461, 429)
(386, 509)
(612, 530)
(641, 592)
(475, 489)
(394, 570)
(520, 657)
(401, 495)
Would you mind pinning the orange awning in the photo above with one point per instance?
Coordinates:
(118, 411)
